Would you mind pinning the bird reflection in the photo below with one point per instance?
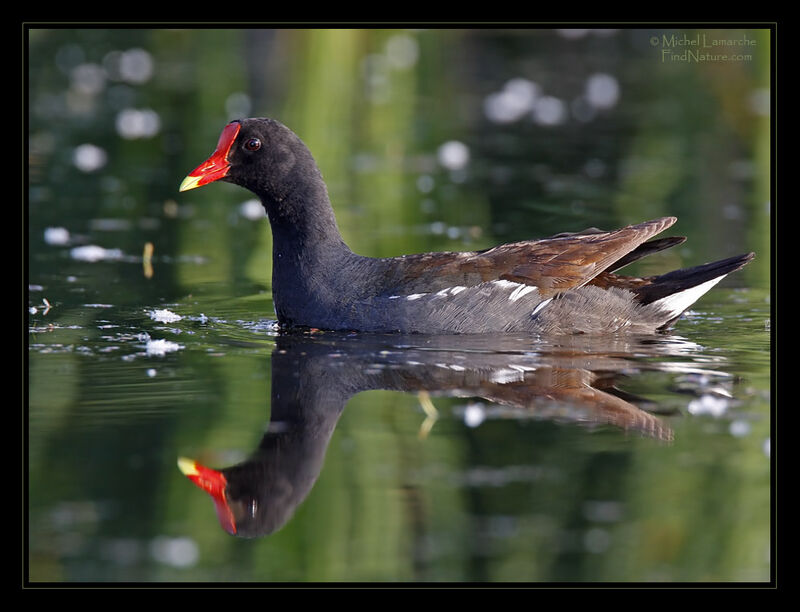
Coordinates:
(571, 379)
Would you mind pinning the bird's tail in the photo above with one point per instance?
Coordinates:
(674, 292)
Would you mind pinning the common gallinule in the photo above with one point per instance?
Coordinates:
(559, 285)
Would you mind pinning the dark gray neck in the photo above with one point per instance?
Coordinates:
(304, 226)
(312, 268)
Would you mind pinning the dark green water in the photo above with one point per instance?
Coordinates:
(628, 459)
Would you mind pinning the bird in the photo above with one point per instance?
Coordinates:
(564, 284)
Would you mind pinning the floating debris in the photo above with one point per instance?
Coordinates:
(56, 235)
(91, 252)
(147, 260)
(161, 347)
(164, 315)
(45, 305)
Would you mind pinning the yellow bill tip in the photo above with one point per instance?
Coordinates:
(190, 182)
(187, 466)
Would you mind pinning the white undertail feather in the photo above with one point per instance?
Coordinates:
(678, 302)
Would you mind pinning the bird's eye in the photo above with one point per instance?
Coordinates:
(252, 144)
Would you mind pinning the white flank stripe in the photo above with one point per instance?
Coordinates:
(540, 306)
(415, 296)
(520, 291)
(676, 303)
(455, 290)
(505, 284)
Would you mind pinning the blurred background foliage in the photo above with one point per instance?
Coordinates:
(428, 139)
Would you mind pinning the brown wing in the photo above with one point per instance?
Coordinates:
(552, 264)
(607, 278)
(645, 249)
